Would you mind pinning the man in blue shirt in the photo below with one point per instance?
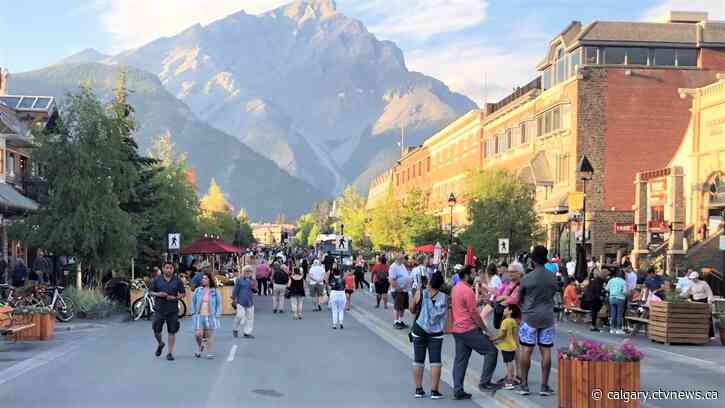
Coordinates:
(167, 289)
(654, 283)
(243, 298)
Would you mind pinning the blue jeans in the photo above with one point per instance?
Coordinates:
(616, 313)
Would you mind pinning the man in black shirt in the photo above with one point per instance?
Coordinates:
(167, 290)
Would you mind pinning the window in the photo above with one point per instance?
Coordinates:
(11, 165)
(540, 126)
(497, 146)
(546, 82)
(427, 164)
(664, 57)
(614, 55)
(591, 55)
(556, 119)
(2, 161)
(524, 138)
(420, 168)
(460, 149)
(637, 56)
(397, 179)
(686, 57)
(574, 61)
(509, 139)
(547, 122)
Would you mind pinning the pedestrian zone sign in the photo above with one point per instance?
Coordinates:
(503, 246)
(342, 244)
(175, 241)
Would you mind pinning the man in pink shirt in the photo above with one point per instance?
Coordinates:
(469, 332)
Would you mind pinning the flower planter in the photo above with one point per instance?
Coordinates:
(679, 322)
(32, 333)
(47, 326)
(587, 383)
(226, 299)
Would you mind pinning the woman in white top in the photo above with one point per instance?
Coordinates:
(699, 291)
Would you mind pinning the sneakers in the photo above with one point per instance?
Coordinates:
(248, 336)
(546, 391)
(434, 394)
(211, 356)
(523, 389)
(197, 354)
(403, 325)
(419, 393)
(170, 357)
(274, 311)
(235, 333)
(594, 329)
(489, 386)
(334, 327)
(509, 386)
(399, 325)
(341, 326)
(159, 349)
(461, 396)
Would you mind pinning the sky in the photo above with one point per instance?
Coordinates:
(481, 48)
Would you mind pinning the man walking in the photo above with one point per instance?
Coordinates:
(243, 297)
(469, 332)
(167, 289)
(400, 282)
(317, 284)
(536, 295)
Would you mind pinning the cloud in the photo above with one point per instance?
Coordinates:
(133, 23)
(417, 19)
(714, 8)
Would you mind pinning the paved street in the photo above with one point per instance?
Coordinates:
(301, 363)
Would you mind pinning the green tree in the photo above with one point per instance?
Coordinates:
(304, 226)
(351, 213)
(386, 226)
(314, 232)
(85, 154)
(216, 217)
(501, 205)
(420, 227)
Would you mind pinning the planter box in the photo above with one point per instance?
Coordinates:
(43, 329)
(679, 322)
(47, 326)
(579, 379)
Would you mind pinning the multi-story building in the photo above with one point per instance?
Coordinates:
(20, 177)
(608, 91)
(272, 234)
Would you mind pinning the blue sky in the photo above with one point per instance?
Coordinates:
(457, 41)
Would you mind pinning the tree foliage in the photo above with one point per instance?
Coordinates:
(214, 201)
(350, 210)
(501, 206)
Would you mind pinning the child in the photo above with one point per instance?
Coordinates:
(571, 299)
(505, 341)
(349, 289)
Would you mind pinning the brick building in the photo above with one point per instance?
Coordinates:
(607, 90)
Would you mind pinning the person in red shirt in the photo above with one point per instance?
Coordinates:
(469, 332)
(380, 280)
(349, 289)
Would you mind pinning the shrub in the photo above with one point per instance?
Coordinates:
(92, 303)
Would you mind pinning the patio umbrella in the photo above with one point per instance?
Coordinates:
(206, 245)
(470, 258)
(426, 249)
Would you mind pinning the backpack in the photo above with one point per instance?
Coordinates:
(280, 277)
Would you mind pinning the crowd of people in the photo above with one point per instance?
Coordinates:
(507, 309)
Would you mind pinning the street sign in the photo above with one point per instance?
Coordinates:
(575, 201)
(342, 244)
(174, 241)
(624, 228)
(722, 242)
(503, 246)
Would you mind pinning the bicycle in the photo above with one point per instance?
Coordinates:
(64, 307)
(144, 306)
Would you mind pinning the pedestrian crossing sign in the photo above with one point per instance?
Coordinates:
(503, 246)
(175, 241)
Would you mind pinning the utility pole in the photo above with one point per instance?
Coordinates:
(402, 142)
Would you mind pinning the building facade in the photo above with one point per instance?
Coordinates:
(608, 91)
(271, 235)
(21, 181)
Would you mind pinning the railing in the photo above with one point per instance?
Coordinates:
(35, 188)
(517, 93)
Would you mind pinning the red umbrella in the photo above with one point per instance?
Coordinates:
(208, 245)
(470, 258)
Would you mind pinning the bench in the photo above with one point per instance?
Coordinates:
(637, 323)
(578, 312)
(4, 331)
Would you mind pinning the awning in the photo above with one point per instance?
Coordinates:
(210, 246)
(556, 204)
(537, 171)
(427, 249)
(11, 198)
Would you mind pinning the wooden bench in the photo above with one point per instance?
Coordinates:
(637, 323)
(577, 312)
(4, 331)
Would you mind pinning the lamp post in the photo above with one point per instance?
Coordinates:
(452, 204)
(586, 172)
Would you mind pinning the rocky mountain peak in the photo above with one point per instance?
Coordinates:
(305, 10)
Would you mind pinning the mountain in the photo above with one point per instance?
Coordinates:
(87, 55)
(305, 86)
(251, 181)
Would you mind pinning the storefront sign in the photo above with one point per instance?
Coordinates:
(658, 226)
(575, 201)
(624, 228)
(657, 192)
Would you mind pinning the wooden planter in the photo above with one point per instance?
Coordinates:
(43, 329)
(226, 294)
(679, 322)
(47, 326)
(579, 379)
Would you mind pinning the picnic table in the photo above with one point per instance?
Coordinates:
(8, 325)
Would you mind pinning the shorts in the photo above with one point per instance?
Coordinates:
(530, 336)
(381, 287)
(208, 323)
(317, 290)
(171, 320)
(423, 343)
(508, 356)
(401, 300)
(349, 291)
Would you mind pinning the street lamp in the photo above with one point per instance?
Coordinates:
(586, 172)
(452, 204)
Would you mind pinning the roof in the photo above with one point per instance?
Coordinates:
(614, 31)
(11, 198)
(538, 171)
(9, 122)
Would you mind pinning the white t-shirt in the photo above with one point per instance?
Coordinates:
(418, 273)
(494, 282)
(400, 274)
(317, 273)
(571, 268)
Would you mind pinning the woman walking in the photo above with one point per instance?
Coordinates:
(206, 309)
(360, 269)
(296, 287)
(280, 279)
(337, 296)
(430, 306)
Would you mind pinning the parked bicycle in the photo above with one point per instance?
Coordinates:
(64, 307)
(144, 306)
(40, 296)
